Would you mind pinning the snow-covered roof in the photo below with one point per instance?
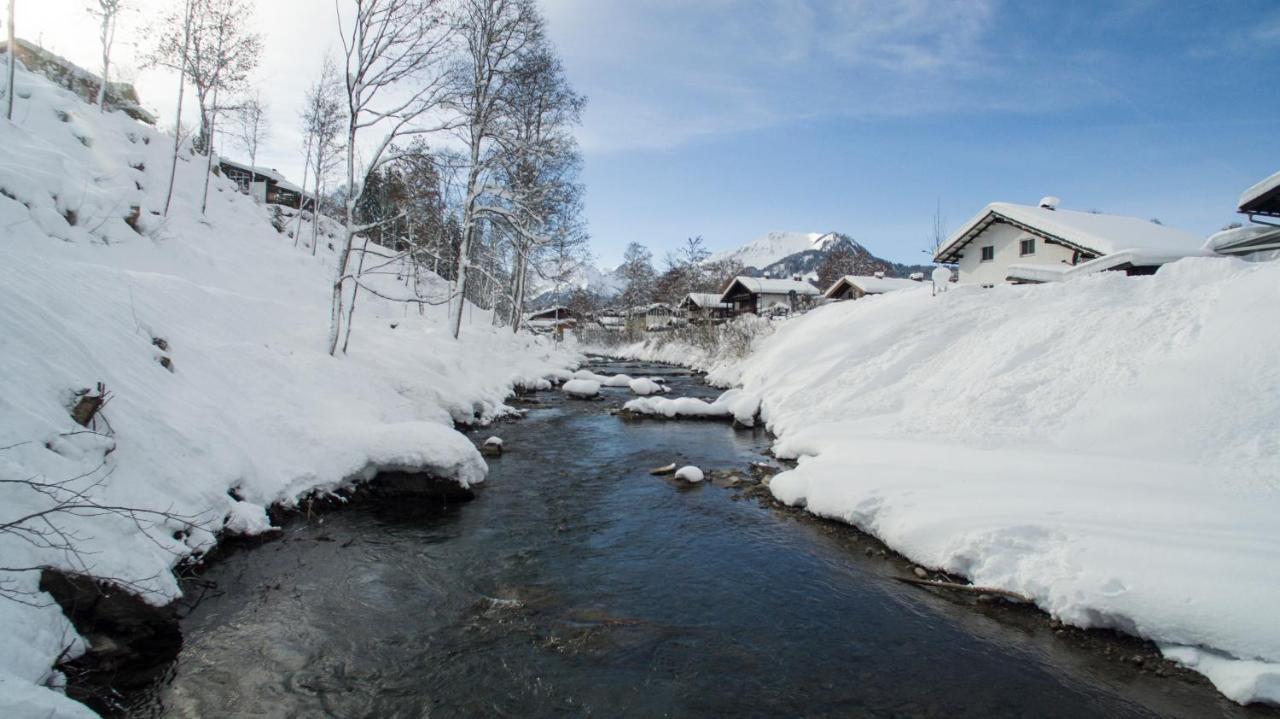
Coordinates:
(267, 172)
(1095, 234)
(705, 300)
(767, 286)
(871, 285)
(1116, 260)
(1249, 238)
(1263, 197)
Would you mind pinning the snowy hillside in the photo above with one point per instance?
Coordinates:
(1105, 446)
(209, 335)
(774, 246)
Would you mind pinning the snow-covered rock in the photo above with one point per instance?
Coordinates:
(689, 473)
(645, 386)
(581, 388)
(733, 404)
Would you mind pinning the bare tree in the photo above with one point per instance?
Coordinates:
(253, 127)
(211, 44)
(493, 34)
(538, 170)
(181, 52)
(323, 116)
(13, 63)
(107, 12)
(392, 50)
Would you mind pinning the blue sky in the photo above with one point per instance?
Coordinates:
(731, 119)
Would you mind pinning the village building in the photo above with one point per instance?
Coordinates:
(763, 295)
(264, 184)
(655, 316)
(1260, 240)
(705, 307)
(552, 319)
(1019, 243)
(852, 287)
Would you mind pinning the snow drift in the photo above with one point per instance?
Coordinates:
(97, 287)
(1107, 446)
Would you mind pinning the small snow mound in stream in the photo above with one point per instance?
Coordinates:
(617, 380)
(646, 386)
(689, 473)
(493, 442)
(733, 404)
(581, 388)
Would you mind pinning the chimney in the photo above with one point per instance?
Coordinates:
(1050, 202)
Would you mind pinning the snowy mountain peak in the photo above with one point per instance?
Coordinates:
(774, 246)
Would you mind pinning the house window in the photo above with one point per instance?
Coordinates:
(1028, 247)
(988, 253)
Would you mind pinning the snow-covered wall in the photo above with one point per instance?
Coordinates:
(251, 403)
(1006, 243)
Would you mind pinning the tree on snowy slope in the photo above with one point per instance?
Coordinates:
(213, 48)
(637, 270)
(107, 13)
(252, 125)
(323, 116)
(492, 35)
(12, 64)
(392, 50)
(537, 173)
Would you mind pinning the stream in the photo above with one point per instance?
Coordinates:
(577, 584)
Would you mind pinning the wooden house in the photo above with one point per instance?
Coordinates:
(763, 295)
(265, 184)
(705, 307)
(1019, 243)
(852, 287)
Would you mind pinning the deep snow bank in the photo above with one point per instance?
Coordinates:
(253, 404)
(1108, 446)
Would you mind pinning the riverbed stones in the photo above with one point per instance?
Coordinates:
(492, 447)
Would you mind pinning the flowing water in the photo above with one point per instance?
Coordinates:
(577, 584)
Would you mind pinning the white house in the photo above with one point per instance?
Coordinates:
(1260, 241)
(852, 287)
(760, 295)
(1020, 243)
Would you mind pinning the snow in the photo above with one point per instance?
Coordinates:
(774, 246)
(1105, 446)
(941, 276)
(1115, 260)
(1100, 234)
(581, 388)
(1260, 189)
(1227, 240)
(493, 442)
(646, 386)
(732, 404)
(253, 405)
(689, 473)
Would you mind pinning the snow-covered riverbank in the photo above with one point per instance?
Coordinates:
(248, 409)
(1109, 446)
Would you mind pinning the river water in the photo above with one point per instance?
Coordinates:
(577, 584)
